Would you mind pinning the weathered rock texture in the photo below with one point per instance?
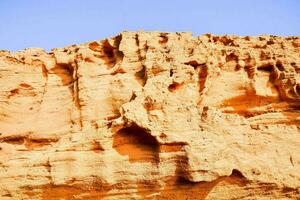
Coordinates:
(149, 115)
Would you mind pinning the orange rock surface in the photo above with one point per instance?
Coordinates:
(150, 115)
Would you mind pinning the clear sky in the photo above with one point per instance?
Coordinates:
(56, 23)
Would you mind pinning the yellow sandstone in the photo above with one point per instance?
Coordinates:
(151, 115)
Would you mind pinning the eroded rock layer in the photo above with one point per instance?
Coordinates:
(150, 115)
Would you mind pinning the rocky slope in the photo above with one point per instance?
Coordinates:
(150, 115)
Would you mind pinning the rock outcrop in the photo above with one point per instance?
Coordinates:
(150, 115)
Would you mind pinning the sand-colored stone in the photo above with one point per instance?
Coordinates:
(150, 115)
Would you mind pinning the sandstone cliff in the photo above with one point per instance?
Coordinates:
(150, 115)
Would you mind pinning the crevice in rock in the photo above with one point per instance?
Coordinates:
(137, 42)
(242, 104)
(37, 143)
(297, 89)
(14, 139)
(108, 52)
(44, 88)
(203, 72)
(250, 69)
(117, 41)
(69, 77)
(291, 161)
(171, 72)
(29, 142)
(171, 147)
(65, 72)
(76, 93)
(141, 76)
(44, 71)
(133, 97)
(250, 66)
(204, 113)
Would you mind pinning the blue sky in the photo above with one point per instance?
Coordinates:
(56, 23)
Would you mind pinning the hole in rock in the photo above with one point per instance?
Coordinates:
(97, 147)
(193, 63)
(231, 57)
(264, 55)
(237, 173)
(137, 144)
(174, 86)
(25, 85)
(163, 38)
(279, 65)
(224, 40)
(266, 68)
(270, 42)
(13, 92)
(293, 64)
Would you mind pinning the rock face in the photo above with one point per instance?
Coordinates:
(150, 115)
